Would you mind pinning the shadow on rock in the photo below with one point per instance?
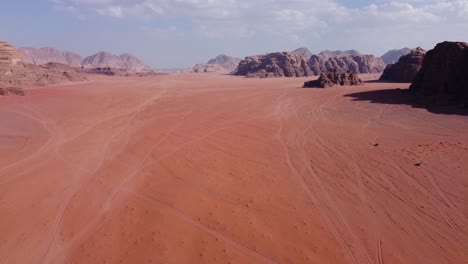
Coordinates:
(404, 97)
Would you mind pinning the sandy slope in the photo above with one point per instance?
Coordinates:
(219, 169)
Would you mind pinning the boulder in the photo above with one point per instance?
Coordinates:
(406, 68)
(443, 77)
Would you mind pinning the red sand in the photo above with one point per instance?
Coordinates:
(220, 169)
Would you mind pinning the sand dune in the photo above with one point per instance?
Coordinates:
(222, 169)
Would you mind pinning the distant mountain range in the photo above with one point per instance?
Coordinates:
(221, 63)
(101, 59)
(303, 52)
(392, 56)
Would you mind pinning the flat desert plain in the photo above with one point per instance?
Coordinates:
(221, 169)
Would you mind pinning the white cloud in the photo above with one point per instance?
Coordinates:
(220, 18)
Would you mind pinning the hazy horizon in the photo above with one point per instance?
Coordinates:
(179, 34)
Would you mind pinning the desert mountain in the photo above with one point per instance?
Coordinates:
(227, 62)
(45, 55)
(336, 53)
(303, 52)
(15, 73)
(124, 61)
(393, 56)
(443, 78)
(277, 64)
(406, 68)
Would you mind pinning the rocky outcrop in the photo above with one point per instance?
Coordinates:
(345, 63)
(443, 77)
(9, 56)
(45, 55)
(125, 61)
(280, 64)
(392, 56)
(334, 77)
(303, 52)
(226, 62)
(406, 68)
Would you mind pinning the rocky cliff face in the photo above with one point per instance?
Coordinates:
(406, 68)
(9, 55)
(345, 63)
(443, 77)
(303, 52)
(278, 64)
(226, 62)
(125, 61)
(392, 56)
(45, 55)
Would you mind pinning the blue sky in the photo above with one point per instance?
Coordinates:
(180, 33)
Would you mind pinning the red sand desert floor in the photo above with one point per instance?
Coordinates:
(220, 169)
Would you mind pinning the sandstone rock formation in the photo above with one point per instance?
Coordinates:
(278, 64)
(406, 68)
(226, 62)
(9, 56)
(443, 78)
(345, 63)
(334, 77)
(125, 61)
(303, 52)
(392, 56)
(45, 55)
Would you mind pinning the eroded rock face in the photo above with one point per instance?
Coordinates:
(279, 64)
(443, 77)
(334, 77)
(406, 68)
(9, 55)
(345, 63)
(45, 55)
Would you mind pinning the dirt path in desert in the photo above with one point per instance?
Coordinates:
(220, 169)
